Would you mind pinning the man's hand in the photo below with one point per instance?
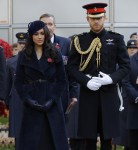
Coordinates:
(103, 80)
(93, 85)
(71, 105)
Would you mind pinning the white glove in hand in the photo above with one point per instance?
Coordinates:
(104, 79)
(92, 85)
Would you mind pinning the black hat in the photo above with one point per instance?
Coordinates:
(132, 44)
(35, 26)
(95, 10)
(21, 36)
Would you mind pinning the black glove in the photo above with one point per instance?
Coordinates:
(49, 104)
(44, 108)
(34, 104)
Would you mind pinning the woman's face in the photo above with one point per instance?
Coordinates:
(39, 37)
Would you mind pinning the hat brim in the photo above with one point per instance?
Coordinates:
(132, 47)
(96, 15)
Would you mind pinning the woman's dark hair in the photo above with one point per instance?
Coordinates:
(49, 50)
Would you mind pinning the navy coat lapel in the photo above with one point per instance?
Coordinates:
(34, 63)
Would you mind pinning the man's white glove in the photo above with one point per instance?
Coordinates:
(92, 85)
(104, 79)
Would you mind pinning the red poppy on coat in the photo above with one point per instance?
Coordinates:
(50, 60)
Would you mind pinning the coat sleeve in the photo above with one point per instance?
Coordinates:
(2, 74)
(73, 66)
(9, 82)
(22, 88)
(123, 61)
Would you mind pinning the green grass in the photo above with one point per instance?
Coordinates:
(3, 120)
(117, 148)
(4, 148)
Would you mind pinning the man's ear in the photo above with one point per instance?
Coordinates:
(87, 18)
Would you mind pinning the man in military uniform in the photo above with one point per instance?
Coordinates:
(12, 98)
(21, 40)
(92, 62)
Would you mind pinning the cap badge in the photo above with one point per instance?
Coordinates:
(132, 43)
(95, 9)
(21, 36)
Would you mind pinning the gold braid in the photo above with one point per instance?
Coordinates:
(96, 44)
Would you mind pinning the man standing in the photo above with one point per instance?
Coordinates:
(92, 62)
(63, 44)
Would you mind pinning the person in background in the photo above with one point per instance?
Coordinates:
(132, 47)
(123, 140)
(12, 100)
(21, 40)
(130, 84)
(6, 49)
(14, 49)
(40, 81)
(92, 63)
(134, 36)
(63, 44)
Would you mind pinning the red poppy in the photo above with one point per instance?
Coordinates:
(57, 46)
(50, 60)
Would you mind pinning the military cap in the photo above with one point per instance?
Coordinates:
(132, 44)
(95, 10)
(35, 26)
(21, 36)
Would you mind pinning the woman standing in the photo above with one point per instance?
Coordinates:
(40, 81)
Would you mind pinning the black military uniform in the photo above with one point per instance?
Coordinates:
(90, 53)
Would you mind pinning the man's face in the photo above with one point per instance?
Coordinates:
(96, 24)
(15, 51)
(50, 24)
(134, 37)
(20, 46)
(132, 51)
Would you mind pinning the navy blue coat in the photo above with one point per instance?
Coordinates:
(2, 74)
(33, 122)
(131, 85)
(113, 51)
(12, 98)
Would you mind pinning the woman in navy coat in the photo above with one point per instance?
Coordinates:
(40, 81)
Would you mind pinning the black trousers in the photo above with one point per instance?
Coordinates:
(89, 144)
(133, 139)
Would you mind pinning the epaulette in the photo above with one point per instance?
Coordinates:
(114, 32)
(82, 33)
